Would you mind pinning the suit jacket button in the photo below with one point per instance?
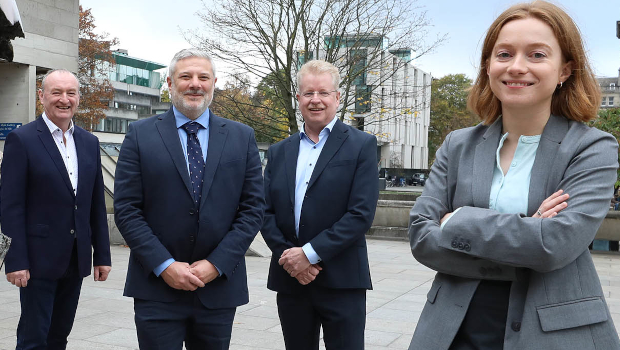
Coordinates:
(76, 207)
(192, 211)
(461, 246)
(72, 231)
(483, 271)
(192, 239)
(454, 244)
(516, 326)
(467, 247)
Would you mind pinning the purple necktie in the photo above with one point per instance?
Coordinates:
(195, 160)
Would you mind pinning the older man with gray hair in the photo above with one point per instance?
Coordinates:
(188, 201)
(53, 208)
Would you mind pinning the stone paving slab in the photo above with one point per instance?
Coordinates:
(104, 319)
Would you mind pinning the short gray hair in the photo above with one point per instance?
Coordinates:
(188, 53)
(319, 67)
(60, 71)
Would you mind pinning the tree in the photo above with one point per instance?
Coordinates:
(609, 120)
(269, 39)
(95, 61)
(258, 110)
(448, 109)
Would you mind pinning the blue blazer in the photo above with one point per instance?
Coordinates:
(39, 209)
(155, 212)
(337, 211)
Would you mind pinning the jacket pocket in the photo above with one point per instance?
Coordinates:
(432, 294)
(40, 230)
(571, 314)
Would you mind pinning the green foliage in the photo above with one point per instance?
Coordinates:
(609, 120)
(448, 109)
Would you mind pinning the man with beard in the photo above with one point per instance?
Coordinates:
(188, 201)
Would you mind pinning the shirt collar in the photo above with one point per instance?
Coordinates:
(181, 119)
(53, 127)
(328, 127)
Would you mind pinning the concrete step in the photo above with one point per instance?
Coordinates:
(388, 233)
(259, 247)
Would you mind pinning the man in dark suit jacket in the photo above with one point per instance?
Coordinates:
(53, 208)
(188, 223)
(321, 190)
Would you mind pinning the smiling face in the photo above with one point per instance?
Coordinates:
(526, 65)
(191, 90)
(317, 110)
(60, 97)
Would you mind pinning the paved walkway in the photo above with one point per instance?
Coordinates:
(105, 318)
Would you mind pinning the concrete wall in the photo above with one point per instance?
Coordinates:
(51, 42)
(51, 29)
(17, 94)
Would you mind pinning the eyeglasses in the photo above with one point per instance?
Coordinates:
(322, 94)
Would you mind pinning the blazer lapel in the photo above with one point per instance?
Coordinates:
(334, 141)
(291, 153)
(170, 136)
(484, 164)
(550, 141)
(52, 150)
(217, 138)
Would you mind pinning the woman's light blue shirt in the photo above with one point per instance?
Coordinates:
(510, 192)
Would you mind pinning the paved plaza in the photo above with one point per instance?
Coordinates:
(105, 318)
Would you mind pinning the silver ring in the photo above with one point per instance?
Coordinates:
(538, 212)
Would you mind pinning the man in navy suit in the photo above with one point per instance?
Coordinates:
(321, 190)
(53, 208)
(188, 201)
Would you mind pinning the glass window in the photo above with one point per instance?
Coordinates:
(610, 101)
(603, 101)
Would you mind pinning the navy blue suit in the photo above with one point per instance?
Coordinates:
(337, 211)
(54, 231)
(155, 212)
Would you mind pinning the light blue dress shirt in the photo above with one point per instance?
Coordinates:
(203, 138)
(309, 153)
(510, 192)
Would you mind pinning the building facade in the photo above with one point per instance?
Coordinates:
(51, 42)
(136, 84)
(389, 98)
(610, 91)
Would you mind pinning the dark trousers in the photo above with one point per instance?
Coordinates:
(485, 321)
(341, 313)
(165, 326)
(48, 310)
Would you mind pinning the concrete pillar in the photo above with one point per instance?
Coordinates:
(17, 94)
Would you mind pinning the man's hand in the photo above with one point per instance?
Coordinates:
(18, 278)
(100, 273)
(309, 274)
(204, 270)
(294, 261)
(178, 276)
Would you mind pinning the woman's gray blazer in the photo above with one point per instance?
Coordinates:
(556, 299)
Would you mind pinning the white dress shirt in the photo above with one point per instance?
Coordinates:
(67, 151)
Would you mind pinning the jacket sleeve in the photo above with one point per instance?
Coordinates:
(361, 207)
(546, 244)
(249, 218)
(13, 194)
(500, 242)
(273, 236)
(129, 204)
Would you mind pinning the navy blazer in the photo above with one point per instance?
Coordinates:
(39, 209)
(155, 213)
(337, 211)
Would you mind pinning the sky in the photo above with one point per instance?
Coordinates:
(154, 30)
